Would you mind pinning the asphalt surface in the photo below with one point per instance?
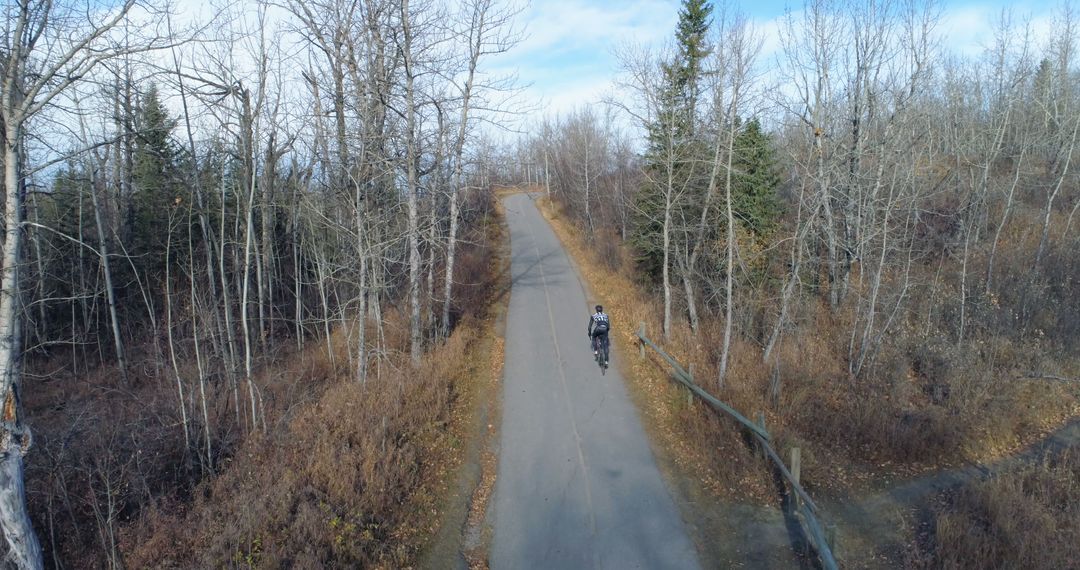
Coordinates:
(577, 484)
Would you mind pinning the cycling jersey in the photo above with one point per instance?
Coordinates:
(599, 323)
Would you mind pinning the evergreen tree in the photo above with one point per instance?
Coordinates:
(675, 152)
(756, 181)
(693, 48)
(62, 211)
(155, 182)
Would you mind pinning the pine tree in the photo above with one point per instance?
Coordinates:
(675, 151)
(155, 182)
(693, 48)
(65, 259)
(756, 181)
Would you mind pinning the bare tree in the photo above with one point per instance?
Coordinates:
(49, 47)
(736, 53)
(486, 31)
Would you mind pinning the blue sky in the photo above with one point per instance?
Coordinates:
(567, 59)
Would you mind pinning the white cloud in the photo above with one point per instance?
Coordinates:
(967, 30)
(560, 24)
(769, 32)
(571, 95)
(970, 30)
(567, 56)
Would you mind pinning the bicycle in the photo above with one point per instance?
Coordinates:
(601, 348)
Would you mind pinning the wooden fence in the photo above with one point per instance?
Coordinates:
(806, 509)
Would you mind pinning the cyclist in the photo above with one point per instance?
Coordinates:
(599, 324)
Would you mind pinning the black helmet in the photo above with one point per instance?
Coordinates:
(599, 309)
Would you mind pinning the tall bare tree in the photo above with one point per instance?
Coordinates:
(48, 48)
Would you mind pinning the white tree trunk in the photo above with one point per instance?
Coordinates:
(729, 281)
(110, 296)
(244, 324)
(477, 35)
(1004, 218)
(198, 357)
(361, 342)
(23, 547)
(415, 339)
(667, 263)
(33, 76)
(1052, 196)
(172, 343)
(451, 253)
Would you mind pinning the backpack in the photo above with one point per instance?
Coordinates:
(601, 324)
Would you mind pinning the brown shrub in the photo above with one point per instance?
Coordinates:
(347, 473)
(923, 400)
(333, 486)
(1028, 517)
(337, 478)
(101, 453)
(606, 246)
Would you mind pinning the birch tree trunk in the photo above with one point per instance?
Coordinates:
(729, 280)
(250, 135)
(361, 342)
(742, 49)
(110, 296)
(1048, 210)
(205, 228)
(209, 462)
(481, 25)
(30, 80)
(415, 339)
(172, 342)
(23, 547)
(667, 250)
(103, 254)
(1004, 218)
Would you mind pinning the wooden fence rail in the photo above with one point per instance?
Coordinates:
(806, 506)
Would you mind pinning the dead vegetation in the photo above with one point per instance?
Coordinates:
(343, 474)
(1026, 517)
(348, 480)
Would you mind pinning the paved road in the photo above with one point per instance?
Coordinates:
(577, 484)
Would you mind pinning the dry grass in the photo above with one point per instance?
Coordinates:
(1026, 518)
(925, 403)
(349, 480)
(355, 475)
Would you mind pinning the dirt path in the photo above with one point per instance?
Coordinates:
(872, 528)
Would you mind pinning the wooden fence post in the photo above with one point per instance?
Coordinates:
(641, 341)
(796, 469)
(689, 392)
(761, 422)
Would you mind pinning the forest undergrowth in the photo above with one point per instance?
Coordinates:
(1026, 517)
(341, 473)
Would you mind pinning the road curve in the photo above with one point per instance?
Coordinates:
(577, 484)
